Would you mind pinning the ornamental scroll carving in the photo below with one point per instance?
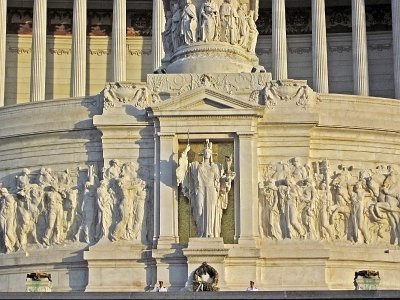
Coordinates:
(138, 95)
(316, 202)
(57, 208)
(227, 83)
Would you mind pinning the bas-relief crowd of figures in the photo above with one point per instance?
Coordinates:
(231, 23)
(52, 208)
(313, 202)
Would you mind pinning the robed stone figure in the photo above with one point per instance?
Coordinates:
(201, 183)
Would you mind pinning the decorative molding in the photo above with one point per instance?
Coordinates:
(300, 50)
(263, 51)
(138, 52)
(339, 49)
(60, 51)
(380, 47)
(338, 19)
(139, 95)
(100, 52)
(278, 91)
(20, 50)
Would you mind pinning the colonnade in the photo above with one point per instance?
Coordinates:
(279, 45)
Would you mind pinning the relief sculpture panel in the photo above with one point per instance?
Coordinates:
(318, 202)
(51, 208)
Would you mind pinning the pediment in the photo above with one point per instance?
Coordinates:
(204, 99)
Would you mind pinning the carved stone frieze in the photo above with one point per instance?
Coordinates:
(138, 95)
(60, 51)
(20, 50)
(288, 91)
(338, 19)
(317, 202)
(244, 83)
(99, 52)
(138, 52)
(55, 208)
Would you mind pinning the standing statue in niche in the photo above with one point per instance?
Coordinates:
(209, 22)
(253, 33)
(201, 183)
(243, 25)
(189, 23)
(167, 35)
(229, 22)
(176, 26)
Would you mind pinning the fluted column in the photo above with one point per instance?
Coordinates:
(319, 47)
(79, 48)
(157, 49)
(119, 40)
(3, 23)
(38, 68)
(360, 54)
(279, 46)
(396, 46)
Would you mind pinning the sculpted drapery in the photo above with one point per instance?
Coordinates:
(206, 184)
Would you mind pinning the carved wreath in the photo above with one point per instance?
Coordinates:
(205, 278)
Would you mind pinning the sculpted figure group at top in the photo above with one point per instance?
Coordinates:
(54, 208)
(231, 23)
(313, 202)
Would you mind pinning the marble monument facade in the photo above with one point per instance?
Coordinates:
(212, 166)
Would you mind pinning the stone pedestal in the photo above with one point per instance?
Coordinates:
(198, 58)
(119, 266)
(209, 250)
(38, 286)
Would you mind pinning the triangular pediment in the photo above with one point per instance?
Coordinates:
(204, 99)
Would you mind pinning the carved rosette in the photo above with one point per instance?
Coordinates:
(289, 91)
(138, 95)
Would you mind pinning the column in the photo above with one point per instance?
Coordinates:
(3, 24)
(319, 47)
(119, 40)
(360, 55)
(38, 68)
(248, 186)
(157, 49)
(279, 46)
(168, 201)
(79, 48)
(396, 46)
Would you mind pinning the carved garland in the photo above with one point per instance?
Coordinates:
(140, 96)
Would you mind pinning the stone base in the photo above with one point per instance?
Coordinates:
(119, 266)
(209, 250)
(199, 57)
(38, 286)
